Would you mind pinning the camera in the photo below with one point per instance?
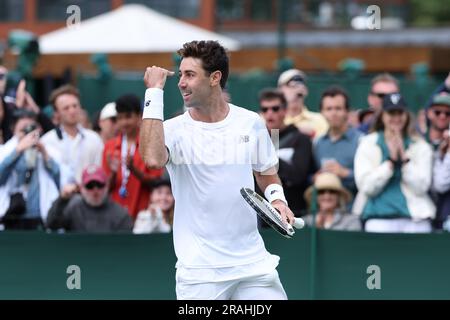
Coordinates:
(29, 128)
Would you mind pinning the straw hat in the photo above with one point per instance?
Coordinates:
(328, 181)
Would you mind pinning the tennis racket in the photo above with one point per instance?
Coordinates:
(269, 214)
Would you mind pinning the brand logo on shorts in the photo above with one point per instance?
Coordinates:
(147, 103)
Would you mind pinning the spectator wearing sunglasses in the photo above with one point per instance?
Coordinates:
(329, 199)
(393, 174)
(88, 209)
(438, 115)
(296, 161)
(380, 86)
(293, 85)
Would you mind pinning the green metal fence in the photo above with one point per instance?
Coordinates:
(117, 266)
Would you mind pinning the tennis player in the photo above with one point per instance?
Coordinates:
(210, 152)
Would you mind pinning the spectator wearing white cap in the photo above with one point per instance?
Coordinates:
(107, 122)
(292, 84)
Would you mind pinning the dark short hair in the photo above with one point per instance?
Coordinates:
(213, 56)
(65, 89)
(128, 103)
(161, 182)
(272, 94)
(22, 114)
(335, 91)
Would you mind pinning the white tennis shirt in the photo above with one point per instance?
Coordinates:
(208, 165)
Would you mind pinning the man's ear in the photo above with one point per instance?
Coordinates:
(215, 78)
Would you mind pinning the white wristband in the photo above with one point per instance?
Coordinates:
(274, 192)
(154, 104)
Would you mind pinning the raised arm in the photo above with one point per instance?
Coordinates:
(152, 147)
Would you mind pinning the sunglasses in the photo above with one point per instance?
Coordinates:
(323, 191)
(94, 184)
(379, 95)
(439, 112)
(274, 109)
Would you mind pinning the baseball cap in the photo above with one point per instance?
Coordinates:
(93, 172)
(394, 101)
(108, 111)
(293, 75)
(441, 100)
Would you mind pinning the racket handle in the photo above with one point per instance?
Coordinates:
(299, 223)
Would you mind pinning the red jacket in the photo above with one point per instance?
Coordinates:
(138, 195)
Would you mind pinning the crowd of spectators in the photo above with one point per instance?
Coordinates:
(377, 169)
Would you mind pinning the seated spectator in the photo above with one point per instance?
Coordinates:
(91, 210)
(29, 177)
(158, 217)
(439, 119)
(335, 151)
(293, 85)
(130, 178)
(330, 201)
(393, 174)
(296, 161)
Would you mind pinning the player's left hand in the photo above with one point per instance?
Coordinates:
(286, 213)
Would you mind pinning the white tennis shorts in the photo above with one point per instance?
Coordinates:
(260, 287)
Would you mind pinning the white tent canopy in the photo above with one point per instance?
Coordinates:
(131, 28)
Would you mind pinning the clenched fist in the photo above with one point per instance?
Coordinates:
(155, 77)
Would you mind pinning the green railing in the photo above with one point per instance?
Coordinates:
(119, 266)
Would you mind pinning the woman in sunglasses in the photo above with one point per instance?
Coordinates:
(393, 174)
(329, 199)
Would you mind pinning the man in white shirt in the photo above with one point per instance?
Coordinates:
(211, 152)
(72, 146)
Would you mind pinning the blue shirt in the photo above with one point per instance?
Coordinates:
(342, 150)
(16, 162)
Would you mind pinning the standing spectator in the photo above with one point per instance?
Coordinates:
(438, 115)
(130, 178)
(292, 84)
(29, 177)
(158, 217)
(380, 86)
(296, 161)
(331, 202)
(393, 174)
(91, 210)
(107, 122)
(436, 121)
(75, 146)
(335, 151)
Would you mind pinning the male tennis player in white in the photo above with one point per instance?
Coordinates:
(210, 152)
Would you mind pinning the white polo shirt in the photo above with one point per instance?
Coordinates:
(73, 154)
(208, 165)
